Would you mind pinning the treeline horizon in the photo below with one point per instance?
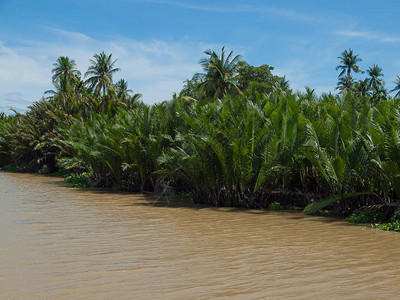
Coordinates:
(372, 85)
(235, 135)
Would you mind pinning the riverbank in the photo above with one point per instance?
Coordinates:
(244, 151)
(376, 216)
(384, 216)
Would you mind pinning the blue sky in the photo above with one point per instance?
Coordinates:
(158, 43)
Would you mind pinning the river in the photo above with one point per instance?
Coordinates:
(64, 243)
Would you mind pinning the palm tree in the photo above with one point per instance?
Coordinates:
(223, 157)
(363, 88)
(348, 63)
(375, 82)
(65, 67)
(397, 87)
(221, 74)
(122, 89)
(345, 84)
(123, 94)
(282, 84)
(101, 72)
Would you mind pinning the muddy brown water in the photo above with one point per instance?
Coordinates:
(63, 243)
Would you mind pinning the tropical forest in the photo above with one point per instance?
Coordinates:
(235, 135)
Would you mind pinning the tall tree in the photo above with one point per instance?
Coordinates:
(262, 76)
(375, 80)
(100, 73)
(345, 84)
(362, 88)
(123, 93)
(122, 89)
(348, 63)
(65, 67)
(397, 87)
(258, 78)
(66, 77)
(221, 74)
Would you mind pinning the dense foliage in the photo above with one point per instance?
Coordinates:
(366, 216)
(235, 135)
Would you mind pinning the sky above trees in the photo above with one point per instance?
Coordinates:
(159, 43)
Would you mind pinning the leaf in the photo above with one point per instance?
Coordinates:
(314, 207)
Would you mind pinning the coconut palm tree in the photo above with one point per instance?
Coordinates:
(65, 67)
(397, 87)
(220, 75)
(363, 88)
(122, 89)
(100, 73)
(375, 81)
(345, 84)
(123, 94)
(348, 62)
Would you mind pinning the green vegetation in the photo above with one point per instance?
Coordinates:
(394, 225)
(236, 135)
(275, 206)
(78, 180)
(366, 216)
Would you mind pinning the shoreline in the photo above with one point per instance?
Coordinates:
(185, 201)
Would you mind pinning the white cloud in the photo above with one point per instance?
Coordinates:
(154, 68)
(380, 37)
(240, 8)
(13, 101)
(391, 39)
(69, 34)
(351, 33)
(16, 66)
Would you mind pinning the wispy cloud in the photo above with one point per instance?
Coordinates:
(362, 34)
(68, 34)
(154, 68)
(239, 8)
(17, 66)
(380, 37)
(23, 76)
(391, 39)
(13, 101)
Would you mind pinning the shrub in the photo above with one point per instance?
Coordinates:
(275, 206)
(366, 216)
(78, 180)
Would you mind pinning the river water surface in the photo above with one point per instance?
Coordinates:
(64, 243)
